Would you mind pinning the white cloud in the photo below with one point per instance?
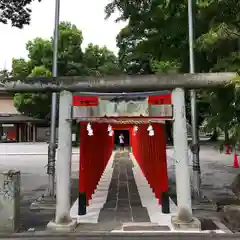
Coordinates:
(87, 15)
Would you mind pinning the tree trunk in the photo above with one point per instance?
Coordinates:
(226, 135)
(214, 137)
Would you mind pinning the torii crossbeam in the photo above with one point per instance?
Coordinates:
(117, 84)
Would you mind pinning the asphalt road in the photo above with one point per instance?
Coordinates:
(217, 172)
(31, 161)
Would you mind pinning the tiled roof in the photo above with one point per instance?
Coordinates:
(17, 118)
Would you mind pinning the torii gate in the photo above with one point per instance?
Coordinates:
(127, 113)
(119, 86)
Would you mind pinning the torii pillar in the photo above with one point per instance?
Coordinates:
(184, 219)
(63, 221)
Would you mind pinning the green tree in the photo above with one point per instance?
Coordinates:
(40, 54)
(132, 59)
(16, 12)
(21, 68)
(4, 74)
(34, 104)
(72, 61)
(70, 53)
(221, 112)
(159, 30)
(100, 61)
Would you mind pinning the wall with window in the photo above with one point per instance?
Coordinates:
(8, 132)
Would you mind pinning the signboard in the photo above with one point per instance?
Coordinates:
(161, 106)
(163, 110)
(85, 106)
(163, 99)
(123, 108)
(85, 101)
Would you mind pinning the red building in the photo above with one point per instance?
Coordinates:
(15, 127)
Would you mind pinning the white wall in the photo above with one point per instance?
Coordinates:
(7, 106)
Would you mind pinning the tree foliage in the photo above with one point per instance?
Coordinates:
(156, 40)
(100, 61)
(4, 73)
(34, 104)
(17, 12)
(72, 61)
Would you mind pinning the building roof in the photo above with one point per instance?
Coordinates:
(6, 94)
(17, 118)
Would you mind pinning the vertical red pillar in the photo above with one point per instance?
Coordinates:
(153, 160)
(94, 169)
(142, 153)
(164, 160)
(164, 187)
(141, 140)
(148, 158)
(130, 138)
(157, 147)
(152, 156)
(82, 201)
(89, 163)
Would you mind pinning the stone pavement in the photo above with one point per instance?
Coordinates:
(130, 205)
(123, 201)
(119, 236)
(116, 202)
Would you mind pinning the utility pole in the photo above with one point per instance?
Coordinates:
(195, 141)
(52, 144)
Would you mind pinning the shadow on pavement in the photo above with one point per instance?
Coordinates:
(38, 219)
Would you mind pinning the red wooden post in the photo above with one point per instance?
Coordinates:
(149, 159)
(95, 153)
(82, 201)
(158, 145)
(164, 188)
(142, 153)
(145, 151)
(154, 159)
(158, 161)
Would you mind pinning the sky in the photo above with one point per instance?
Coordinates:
(87, 15)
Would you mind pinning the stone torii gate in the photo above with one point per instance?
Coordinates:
(119, 86)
